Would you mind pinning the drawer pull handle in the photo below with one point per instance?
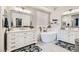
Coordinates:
(13, 39)
(13, 42)
(13, 47)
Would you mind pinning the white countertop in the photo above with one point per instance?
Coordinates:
(73, 29)
(20, 30)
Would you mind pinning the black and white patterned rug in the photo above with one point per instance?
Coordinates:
(68, 46)
(32, 48)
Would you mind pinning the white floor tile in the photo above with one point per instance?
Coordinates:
(51, 47)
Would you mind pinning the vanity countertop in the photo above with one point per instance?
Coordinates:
(20, 30)
(72, 29)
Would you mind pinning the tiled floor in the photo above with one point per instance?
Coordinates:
(51, 47)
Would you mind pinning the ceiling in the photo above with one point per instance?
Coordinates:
(53, 7)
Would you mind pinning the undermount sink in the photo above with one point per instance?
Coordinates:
(48, 36)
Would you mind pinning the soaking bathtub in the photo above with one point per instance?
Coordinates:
(47, 37)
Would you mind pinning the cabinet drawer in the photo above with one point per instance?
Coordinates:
(72, 39)
(9, 37)
(11, 43)
(11, 34)
(11, 40)
(11, 47)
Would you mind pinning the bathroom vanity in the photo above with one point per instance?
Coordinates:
(69, 26)
(68, 36)
(18, 31)
(20, 38)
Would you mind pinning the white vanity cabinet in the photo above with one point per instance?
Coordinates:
(72, 37)
(68, 36)
(11, 41)
(20, 39)
(29, 37)
(63, 36)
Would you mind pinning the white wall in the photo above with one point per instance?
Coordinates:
(42, 18)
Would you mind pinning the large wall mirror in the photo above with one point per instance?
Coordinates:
(19, 19)
(70, 20)
(66, 21)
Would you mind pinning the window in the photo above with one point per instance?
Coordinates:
(6, 23)
(18, 22)
(77, 22)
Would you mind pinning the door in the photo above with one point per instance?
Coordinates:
(43, 18)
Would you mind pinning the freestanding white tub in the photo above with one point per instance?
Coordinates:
(47, 37)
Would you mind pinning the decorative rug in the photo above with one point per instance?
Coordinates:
(68, 46)
(32, 48)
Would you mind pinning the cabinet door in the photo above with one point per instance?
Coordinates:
(29, 38)
(11, 43)
(77, 35)
(72, 39)
(19, 40)
(11, 37)
(11, 46)
(25, 38)
(73, 35)
(63, 36)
